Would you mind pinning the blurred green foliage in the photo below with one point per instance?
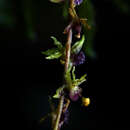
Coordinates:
(30, 10)
(123, 5)
(7, 17)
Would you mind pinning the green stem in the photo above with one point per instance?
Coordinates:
(60, 105)
(59, 112)
(67, 62)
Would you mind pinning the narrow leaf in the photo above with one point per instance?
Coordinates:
(78, 45)
(77, 82)
(57, 43)
(56, 1)
(56, 55)
(73, 74)
(49, 51)
(58, 92)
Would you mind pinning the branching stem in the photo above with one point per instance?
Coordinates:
(67, 62)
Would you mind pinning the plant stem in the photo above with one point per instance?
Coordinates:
(68, 50)
(67, 61)
(59, 112)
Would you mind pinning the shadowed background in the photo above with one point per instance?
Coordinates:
(28, 79)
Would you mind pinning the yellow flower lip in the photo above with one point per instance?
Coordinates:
(85, 101)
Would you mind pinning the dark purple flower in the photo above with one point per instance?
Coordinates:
(78, 2)
(75, 93)
(78, 59)
(74, 97)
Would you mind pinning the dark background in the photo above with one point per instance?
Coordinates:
(27, 78)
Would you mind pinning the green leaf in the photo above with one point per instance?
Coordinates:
(56, 55)
(56, 1)
(57, 43)
(77, 82)
(78, 45)
(81, 80)
(52, 54)
(50, 51)
(73, 74)
(58, 92)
